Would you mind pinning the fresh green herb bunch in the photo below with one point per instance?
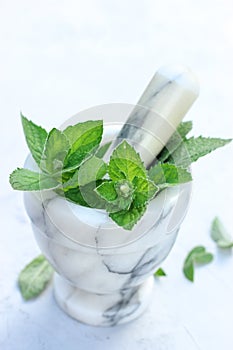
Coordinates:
(70, 162)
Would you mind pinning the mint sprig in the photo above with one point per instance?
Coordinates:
(130, 179)
(57, 153)
(118, 195)
(71, 164)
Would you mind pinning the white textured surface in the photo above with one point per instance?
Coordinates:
(58, 57)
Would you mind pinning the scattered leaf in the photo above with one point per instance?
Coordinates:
(197, 255)
(160, 273)
(220, 235)
(35, 277)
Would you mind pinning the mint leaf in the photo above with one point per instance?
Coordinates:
(91, 170)
(160, 273)
(117, 194)
(196, 255)
(56, 149)
(84, 139)
(144, 191)
(166, 175)
(125, 163)
(194, 148)
(27, 180)
(35, 277)
(175, 140)
(86, 196)
(184, 128)
(74, 195)
(203, 258)
(220, 235)
(35, 137)
(188, 270)
(103, 149)
(107, 191)
(128, 218)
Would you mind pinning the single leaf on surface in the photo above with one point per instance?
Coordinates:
(175, 140)
(35, 137)
(56, 149)
(27, 180)
(197, 255)
(145, 190)
(203, 258)
(188, 267)
(160, 273)
(92, 169)
(125, 163)
(128, 218)
(35, 277)
(169, 175)
(194, 148)
(103, 149)
(220, 235)
(84, 139)
(188, 270)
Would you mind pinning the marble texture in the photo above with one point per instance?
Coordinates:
(99, 261)
(162, 106)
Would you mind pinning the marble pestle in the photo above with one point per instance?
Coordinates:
(168, 97)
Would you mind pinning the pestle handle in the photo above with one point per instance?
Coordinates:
(168, 97)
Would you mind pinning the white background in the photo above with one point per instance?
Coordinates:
(59, 57)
